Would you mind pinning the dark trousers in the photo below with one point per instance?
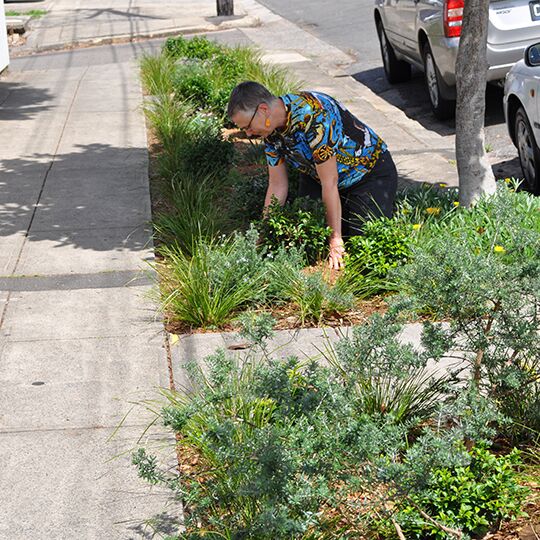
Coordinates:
(372, 197)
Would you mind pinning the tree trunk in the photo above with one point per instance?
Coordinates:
(475, 173)
(225, 7)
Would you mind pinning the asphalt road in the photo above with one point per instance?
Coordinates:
(351, 29)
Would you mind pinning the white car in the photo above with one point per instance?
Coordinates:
(522, 112)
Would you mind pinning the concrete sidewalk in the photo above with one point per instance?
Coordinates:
(79, 339)
(72, 23)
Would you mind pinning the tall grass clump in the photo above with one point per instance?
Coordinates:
(156, 74)
(204, 220)
(312, 293)
(207, 285)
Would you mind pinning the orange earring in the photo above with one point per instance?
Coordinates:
(267, 122)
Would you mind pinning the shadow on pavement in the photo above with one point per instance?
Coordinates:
(162, 524)
(106, 13)
(30, 101)
(412, 98)
(94, 197)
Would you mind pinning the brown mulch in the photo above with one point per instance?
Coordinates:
(287, 318)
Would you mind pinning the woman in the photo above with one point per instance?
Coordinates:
(341, 160)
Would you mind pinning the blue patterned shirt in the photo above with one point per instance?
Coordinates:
(319, 127)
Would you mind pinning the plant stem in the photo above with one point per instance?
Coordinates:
(480, 354)
(453, 532)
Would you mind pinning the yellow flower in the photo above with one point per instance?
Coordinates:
(416, 226)
(456, 203)
(443, 185)
(499, 249)
(507, 180)
(433, 211)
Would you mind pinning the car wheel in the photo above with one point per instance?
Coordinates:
(442, 108)
(529, 154)
(396, 70)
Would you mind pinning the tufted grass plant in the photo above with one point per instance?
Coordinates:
(205, 286)
(193, 214)
(156, 74)
(312, 292)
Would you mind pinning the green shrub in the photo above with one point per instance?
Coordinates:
(281, 449)
(206, 73)
(197, 47)
(472, 498)
(191, 141)
(246, 199)
(482, 273)
(248, 484)
(384, 245)
(192, 82)
(204, 150)
(297, 224)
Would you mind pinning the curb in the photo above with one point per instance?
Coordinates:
(17, 25)
(247, 22)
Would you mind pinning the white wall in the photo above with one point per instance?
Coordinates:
(4, 52)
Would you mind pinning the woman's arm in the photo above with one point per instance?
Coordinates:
(328, 175)
(278, 185)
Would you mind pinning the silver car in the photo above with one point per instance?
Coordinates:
(426, 33)
(522, 112)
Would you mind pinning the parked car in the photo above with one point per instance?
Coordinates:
(521, 110)
(425, 33)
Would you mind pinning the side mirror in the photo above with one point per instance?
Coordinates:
(532, 55)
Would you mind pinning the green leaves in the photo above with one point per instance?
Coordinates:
(206, 73)
(470, 498)
(297, 224)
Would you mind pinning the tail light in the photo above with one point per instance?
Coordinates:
(453, 17)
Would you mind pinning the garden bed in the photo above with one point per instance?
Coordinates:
(373, 442)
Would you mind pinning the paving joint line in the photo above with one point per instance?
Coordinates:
(109, 279)
(78, 338)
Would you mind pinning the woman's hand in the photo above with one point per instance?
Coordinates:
(337, 253)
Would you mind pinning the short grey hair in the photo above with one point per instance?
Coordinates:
(247, 96)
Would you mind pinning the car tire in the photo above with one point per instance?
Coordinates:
(443, 108)
(396, 70)
(529, 154)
